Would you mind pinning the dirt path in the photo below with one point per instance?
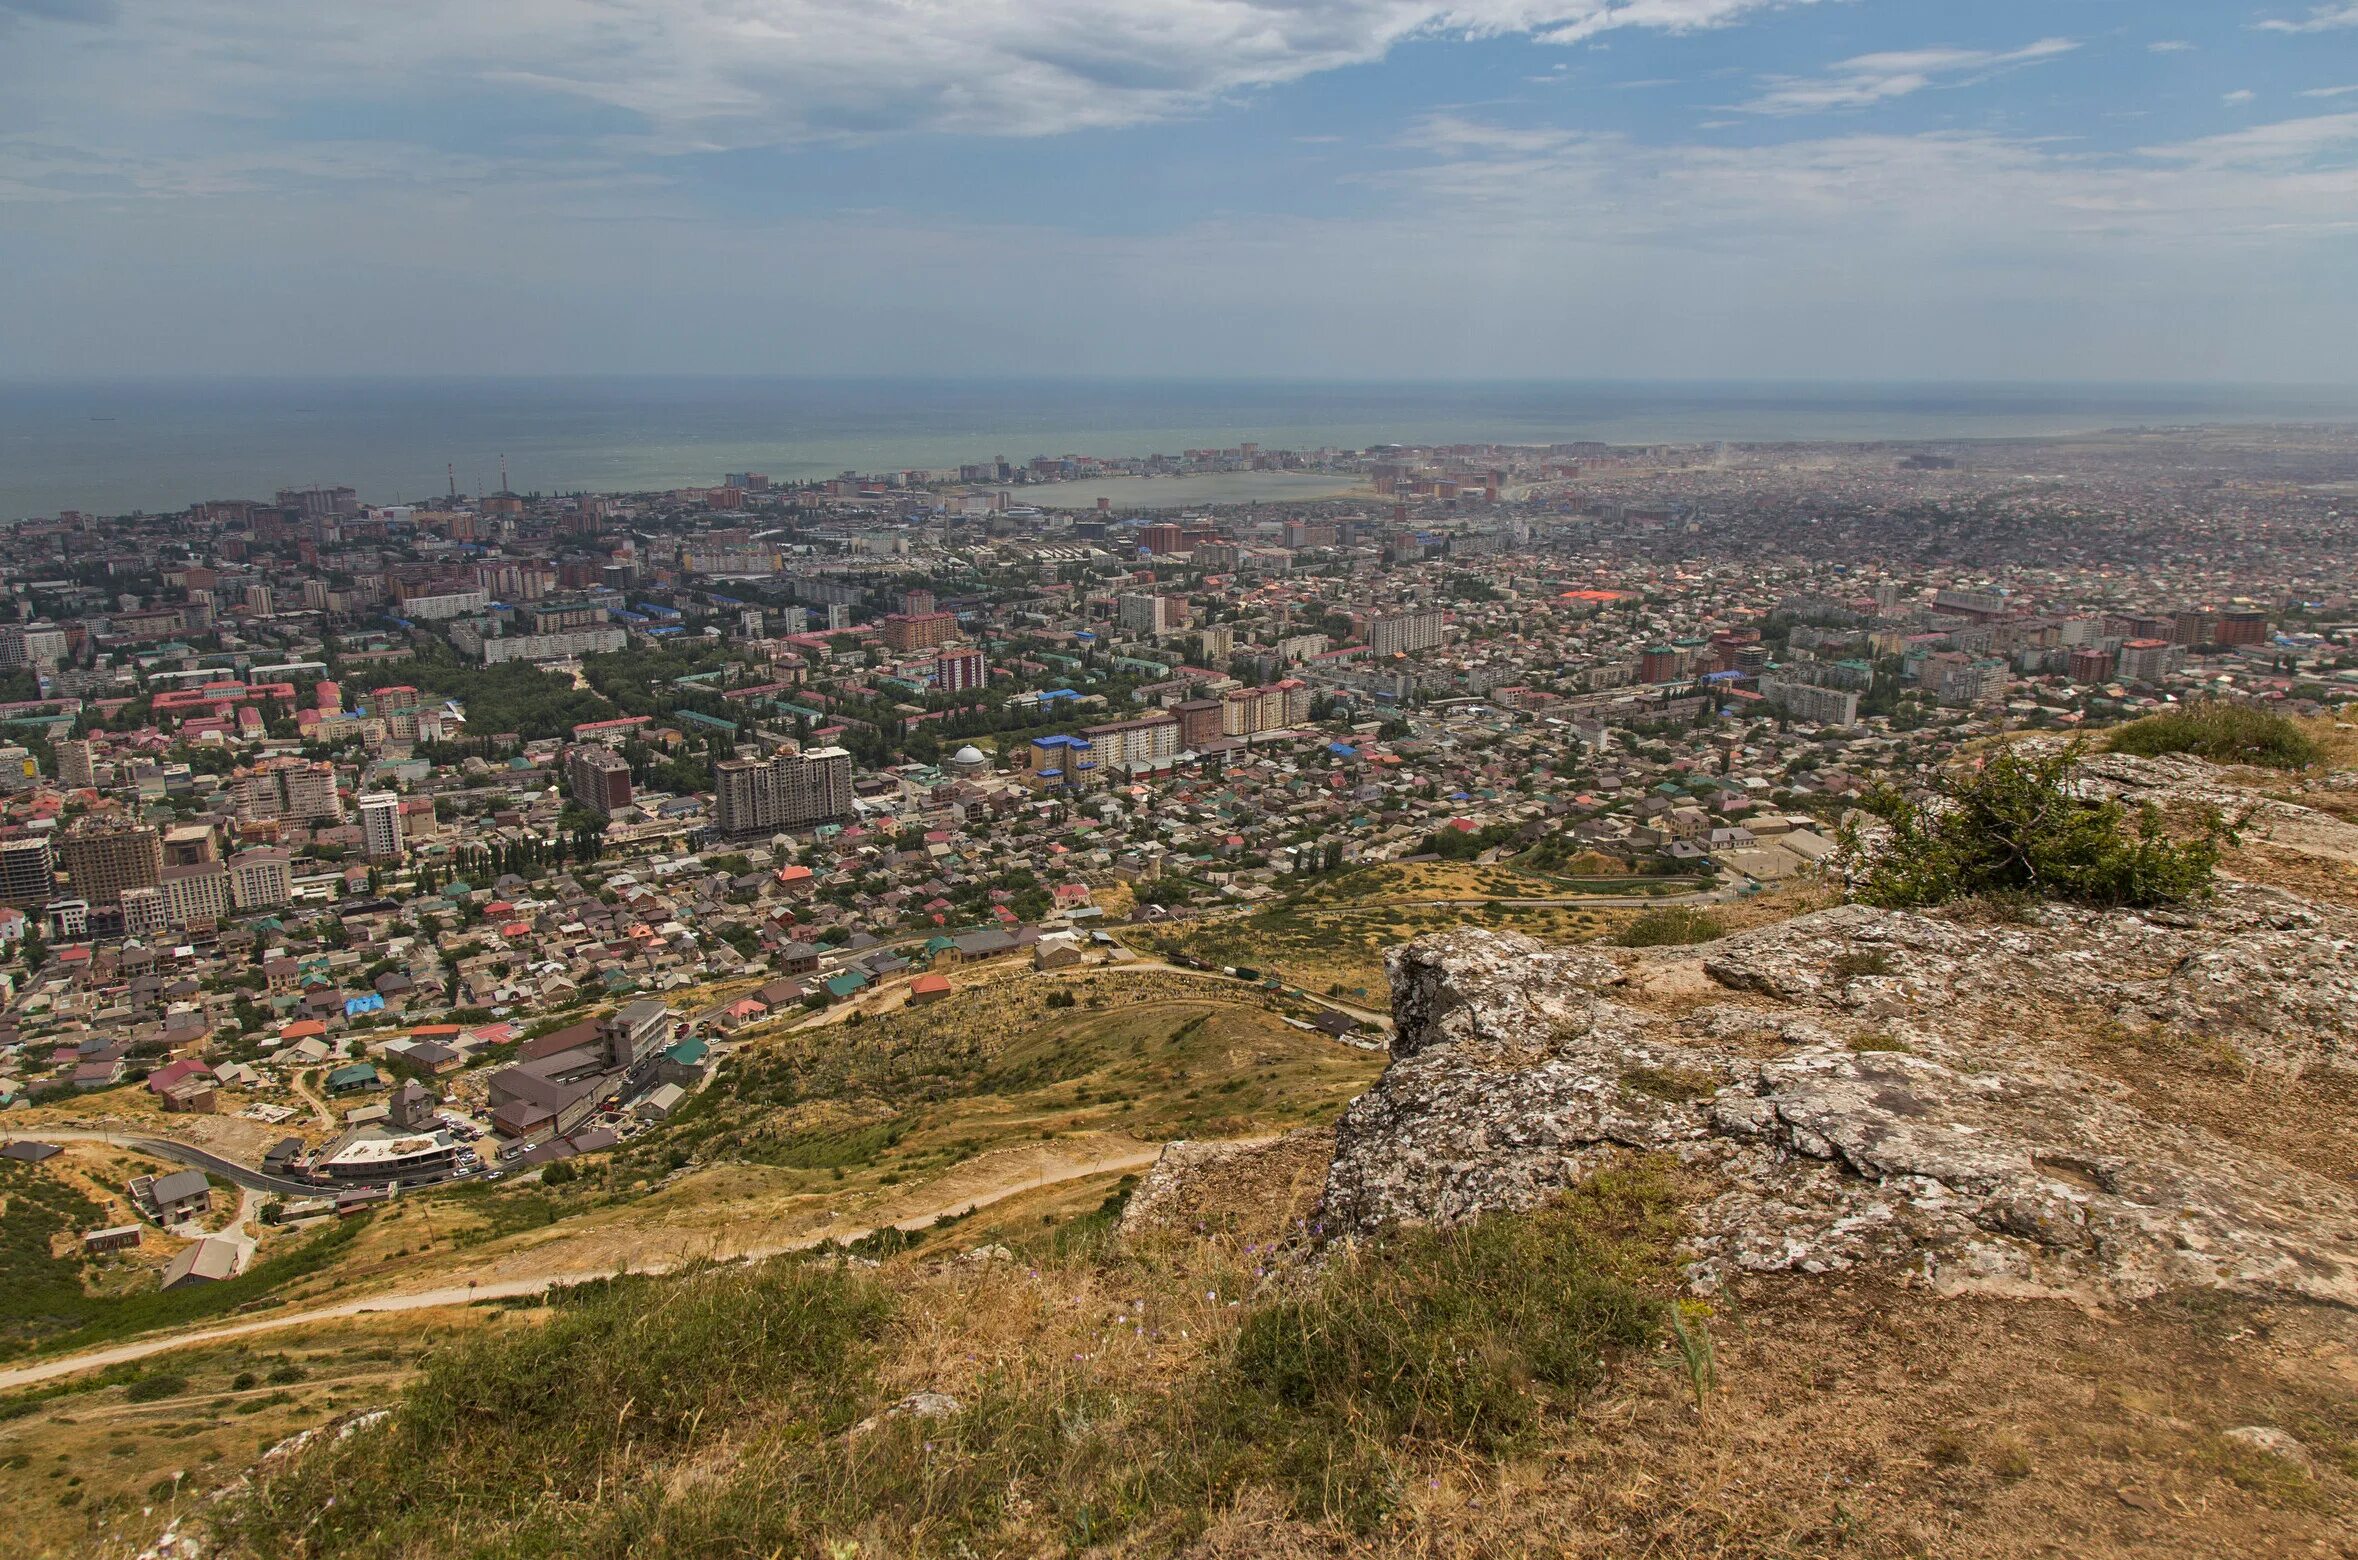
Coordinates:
(980, 1190)
(327, 1118)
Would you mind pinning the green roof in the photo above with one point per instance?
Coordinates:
(845, 984)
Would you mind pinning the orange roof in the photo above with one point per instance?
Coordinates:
(927, 985)
(303, 1029)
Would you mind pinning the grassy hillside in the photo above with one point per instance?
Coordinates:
(1530, 1385)
(1105, 1397)
(1150, 1056)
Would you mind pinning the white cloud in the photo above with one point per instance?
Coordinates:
(2169, 46)
(703, 74)
(2331, 92)
(1867, 79)
(1884, 195)
(2284, 145)
(2323, 18)
(2238, 97)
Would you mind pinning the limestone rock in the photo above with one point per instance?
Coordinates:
(1887, 1105)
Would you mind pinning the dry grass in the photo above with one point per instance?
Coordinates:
(2304, 1118)
(79, 1468)
(1850, 1416)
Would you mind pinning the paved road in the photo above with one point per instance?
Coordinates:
(186, 1154)
(463, 1294)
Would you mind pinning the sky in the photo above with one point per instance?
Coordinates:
(1661, 189)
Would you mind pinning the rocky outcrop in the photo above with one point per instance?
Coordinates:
(2272, 976)
(1246, 1185)
(1863, 1087)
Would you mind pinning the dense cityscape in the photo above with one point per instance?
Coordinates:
(310, 783)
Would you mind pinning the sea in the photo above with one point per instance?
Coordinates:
(117, 447)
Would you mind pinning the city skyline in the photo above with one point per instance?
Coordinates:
(1656, 189)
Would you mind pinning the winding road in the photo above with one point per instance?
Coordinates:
(186, 1154)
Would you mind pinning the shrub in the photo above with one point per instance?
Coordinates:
(148, 1389)
(2019, 826)
(2221, 732)
(1673, 927)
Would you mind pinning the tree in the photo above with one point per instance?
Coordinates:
(2019, 828)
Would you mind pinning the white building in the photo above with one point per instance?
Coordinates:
(380, 825)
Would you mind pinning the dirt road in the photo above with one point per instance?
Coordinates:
(976, 1193)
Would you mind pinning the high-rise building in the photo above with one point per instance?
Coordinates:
(959, 669)
(102, 860)
(784, 792)
(2243, 627)
(380, 825)
(196, 894)
(261, 879)
(308, 791)
(1149, 739)
(190, 844)
(1152, 615)
(1199, 722)
(2149, 660)
(76, 762)
(256, 796)
(2091, 665)
(143, 912)
(28, 872)
(920, 630)
(1807, 701)
(599, 778)
(1405, 633)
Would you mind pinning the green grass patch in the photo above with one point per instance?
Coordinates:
(2221, 732)
(1673, 926)
(535, 1441)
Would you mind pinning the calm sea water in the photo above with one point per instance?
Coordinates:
(111, 448)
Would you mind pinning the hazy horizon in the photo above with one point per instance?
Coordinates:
(112, 446)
